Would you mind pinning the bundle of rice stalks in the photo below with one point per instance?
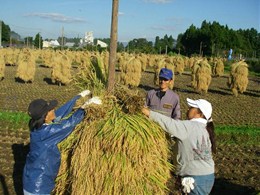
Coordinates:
(238, 79)
(61, 69)
(131, 72)
(179, 65)
(90, 77)
(114, 153)
(218, 67)
(11, 56)
(144, 61)
(47, 57)
(160, 63)
(2, 65)
(201, 76)
(26, 66)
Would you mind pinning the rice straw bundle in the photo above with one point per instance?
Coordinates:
(61, 69)
(26, 66)
(238, 79)
(160, 63)
(131, 72)
(114, 153)
(179, 65)
(2, 64)
(218, 67)
(201, 76)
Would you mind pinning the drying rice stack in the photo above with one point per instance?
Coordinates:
(201, 76)
(26, 66)
(238, 79)
(105, 57)
(179, 65)
(122, 59)
(61, 69)
(151, 60)
(2, 64)
(191, 62)
(47, 57)
(218, 67)
(169, 63)
(144, 61)
(113, 153)
(11, 56)
(131, 72)
(160, 63)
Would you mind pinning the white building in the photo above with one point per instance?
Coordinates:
(101, 44)
(89, 38)
(52, 43)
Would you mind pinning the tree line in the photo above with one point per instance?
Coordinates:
(210, 39)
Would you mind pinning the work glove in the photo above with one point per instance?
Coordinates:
(85, 93)
(94, 100)
(187, 183)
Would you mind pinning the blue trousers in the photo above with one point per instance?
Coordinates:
(203, 184)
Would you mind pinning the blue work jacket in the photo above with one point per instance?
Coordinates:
(43, 161)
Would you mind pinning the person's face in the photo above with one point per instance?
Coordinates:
(194, 113)
(164, 83)
(50, 116)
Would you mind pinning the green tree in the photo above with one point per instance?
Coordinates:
(6, 33)
(38, 41)
(28, 41)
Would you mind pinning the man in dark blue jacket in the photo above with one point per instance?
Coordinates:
(48, 128)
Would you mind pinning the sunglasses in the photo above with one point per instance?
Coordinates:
(163, 79)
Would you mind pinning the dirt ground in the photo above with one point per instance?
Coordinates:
(237, 166)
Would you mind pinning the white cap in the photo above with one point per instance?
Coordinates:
(203, 105)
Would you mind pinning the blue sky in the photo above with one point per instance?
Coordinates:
(137, 18)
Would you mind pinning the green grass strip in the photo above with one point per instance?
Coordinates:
(242, 135)
(14, 120)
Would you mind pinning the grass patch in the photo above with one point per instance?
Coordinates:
(243, 135)
(14, 120)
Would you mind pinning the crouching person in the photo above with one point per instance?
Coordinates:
(48, 127)
(196, 142)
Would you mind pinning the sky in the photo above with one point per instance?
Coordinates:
(136, 18)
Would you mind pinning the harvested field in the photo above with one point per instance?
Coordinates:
(236, 166)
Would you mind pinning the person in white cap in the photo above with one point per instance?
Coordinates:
(196, 143)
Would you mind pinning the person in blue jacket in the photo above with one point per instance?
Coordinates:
(48, 128)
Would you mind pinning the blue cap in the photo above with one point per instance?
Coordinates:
(166, 73)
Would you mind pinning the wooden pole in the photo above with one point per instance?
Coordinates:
(113, 47)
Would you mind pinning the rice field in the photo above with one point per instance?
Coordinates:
(236, 164)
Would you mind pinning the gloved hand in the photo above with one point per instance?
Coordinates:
(85, 93)
(94, 100)
(187, 183)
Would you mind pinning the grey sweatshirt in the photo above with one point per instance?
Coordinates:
(194, 147)
(168, 105)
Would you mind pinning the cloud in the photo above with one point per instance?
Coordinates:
(158, 1)
(56, 17)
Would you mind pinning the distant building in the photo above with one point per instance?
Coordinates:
(69, 44)
(89, 38)
(101, 44)
(52, 43)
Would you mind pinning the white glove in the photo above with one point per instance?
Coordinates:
(85, 93)
(94, 100)
(187, 183)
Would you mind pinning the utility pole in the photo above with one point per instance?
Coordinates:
(62, 38)
(200, 47)
(113, 46)
(39, 41)
(0, 33)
